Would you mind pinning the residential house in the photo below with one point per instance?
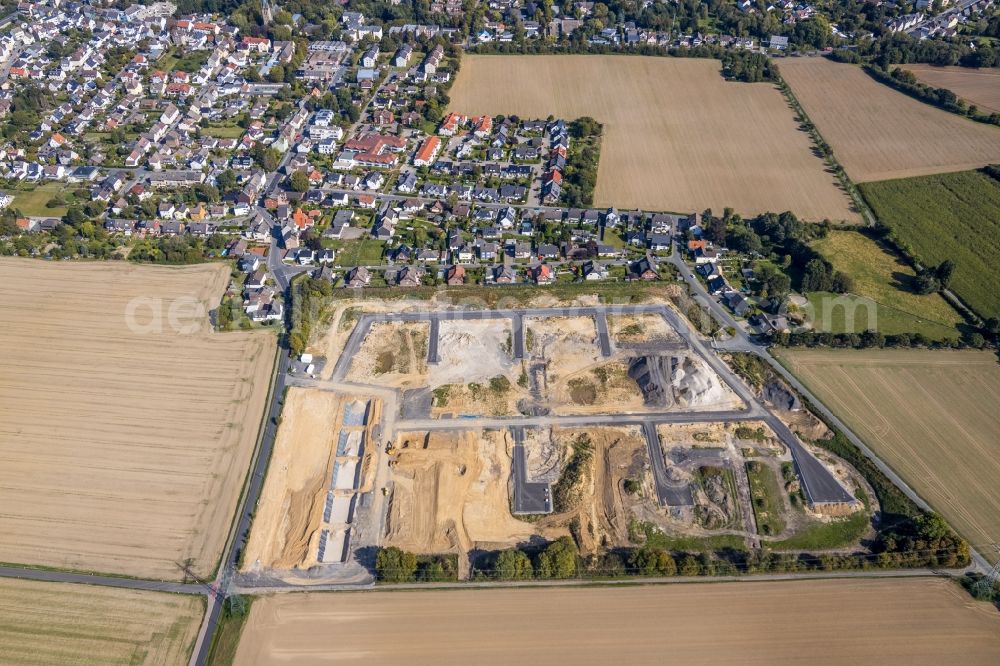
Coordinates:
(359, 276)
(504, 274)
(455, 275)
(543, 274)
(594, 271)
(737, 303)
(644, 269)
(410, 276)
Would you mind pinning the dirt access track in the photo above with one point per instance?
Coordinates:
(878, 133)
(858, 621)
(677, 136)
(124, 448)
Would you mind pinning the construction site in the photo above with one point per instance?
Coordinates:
(591, 364)
(462, 433)
(322, 474)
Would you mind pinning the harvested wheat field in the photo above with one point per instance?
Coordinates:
(931, 415)
(977, 86)
(125, 447)
(878, 133)
(313, 436)
(59, 624)
(677, 136)
(901, 621)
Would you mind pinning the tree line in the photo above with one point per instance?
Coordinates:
(906, 82)
(580, 174)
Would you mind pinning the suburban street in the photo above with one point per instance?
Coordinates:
(416, 169)
(819, 483)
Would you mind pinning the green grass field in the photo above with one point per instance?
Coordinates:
(766, 494)
(824, 536)
(692, 544)
(224, 131)
(32, 202)
(948, 216)
(227, 635)
(887, 280)
(185, 62)
(360, 252)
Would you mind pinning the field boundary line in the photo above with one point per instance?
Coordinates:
(824, 147)
(885, 78)
(978, 560)
(949, 574)
(901, 311)
(52, 575)
(262, 428)
(207, 632)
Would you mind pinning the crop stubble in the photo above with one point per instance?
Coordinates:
(124, 451)
(832, 621)
(977, 86)
(677, 136)
(61, 624)
(878, 133)
(931, 415)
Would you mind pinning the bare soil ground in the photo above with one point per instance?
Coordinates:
(603, 388)
(849, 621)
(450, 494)
(59, 623)
(392, 354)
(472, 354)
(578, 380)
(289, 515)
(673, 129)
(478, 398)
(125, 447)
(602, 509)
(640, 328)
(878, 133)
(569, 343)
(977, 86)
(931, 415)
(473, 351)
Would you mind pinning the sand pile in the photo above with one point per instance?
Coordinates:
(678, 381)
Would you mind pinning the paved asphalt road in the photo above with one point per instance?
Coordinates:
(575, 421)
(106, 581)
(517, 325)
(602, 333)
(432, 342)
(238, 538)
(655, 452)
(529, 497)
(820, 484)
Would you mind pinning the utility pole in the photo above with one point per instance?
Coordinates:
(987, 584)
